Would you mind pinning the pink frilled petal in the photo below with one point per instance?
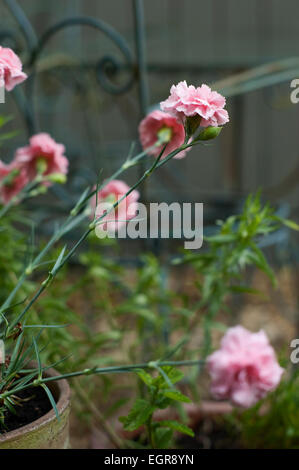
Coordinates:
(3, 169)
(13, 78)
(234, 338)
(8, 191)
(11, 68)
(245, 396)
(152, 124)
(245, 367)
(42, 146)
(185, 101)
(218, 119)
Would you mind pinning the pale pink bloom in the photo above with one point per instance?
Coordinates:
(42, 147)
(12, 188)
(111, 193)
(10, 69)
(150, 127)
(185, 101)
(245, 367)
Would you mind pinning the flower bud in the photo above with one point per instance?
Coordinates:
(28, 270)
(209, 133)
(59, 178)
(41, 189)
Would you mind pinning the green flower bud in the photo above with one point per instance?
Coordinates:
(28, 270)
(41, 189)
(209, 133)
(141, 299)
(59, 178)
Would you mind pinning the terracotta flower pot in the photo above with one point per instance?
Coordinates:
(46, 432)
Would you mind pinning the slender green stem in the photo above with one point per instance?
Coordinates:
(70, 223)
(129, 163)
(91, 227)
(150, 433)
(105, 370)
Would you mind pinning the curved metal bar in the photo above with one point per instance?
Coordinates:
(141, 55)
(106, 62)
(25, 109)
(8, 34)
(23, 22)
(143, 88)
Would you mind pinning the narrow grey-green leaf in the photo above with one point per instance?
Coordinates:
(52, 401)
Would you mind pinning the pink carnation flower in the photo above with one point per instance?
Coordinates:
(150, 127)
(126, 210)
(185, 101)
(18, 180)
(42, 148)
(10, 69)
(245, 367)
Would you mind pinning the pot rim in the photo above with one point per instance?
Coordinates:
(62, 404)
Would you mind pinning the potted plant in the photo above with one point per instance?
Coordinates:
(167, 134)
(45, 431)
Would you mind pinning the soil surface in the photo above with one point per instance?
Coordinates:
(36, 404)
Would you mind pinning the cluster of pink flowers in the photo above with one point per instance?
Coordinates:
(11, 73)
(113, 192)
(245, 367)
(184, 102)
(42, 156)
(157, 129)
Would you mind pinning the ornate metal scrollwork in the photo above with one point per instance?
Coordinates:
(106, 67)
(104, 63)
